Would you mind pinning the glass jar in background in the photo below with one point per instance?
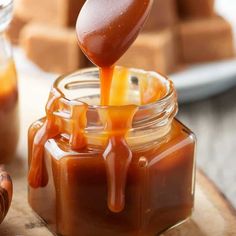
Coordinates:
(74, 186)
(9, 126)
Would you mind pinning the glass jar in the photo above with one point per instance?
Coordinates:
(80, 183)
(8, 90)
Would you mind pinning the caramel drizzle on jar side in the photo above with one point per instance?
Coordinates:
(117, 154)
(55, 124)
(37, 177)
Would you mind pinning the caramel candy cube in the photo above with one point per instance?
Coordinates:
(196, 8)
(162, 15)
(51, 48)
(17, 24)
(68, 11)
(42, 11)
(59, 12)
(206, 40)
(152, 51)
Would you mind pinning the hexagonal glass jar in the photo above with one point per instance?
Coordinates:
(72, 194)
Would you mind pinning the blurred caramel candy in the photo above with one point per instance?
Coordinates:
(52, 48)
(59, 12)
(206, 40)
(152, 51)
(17, 24)
(162, 15)
(196, 8)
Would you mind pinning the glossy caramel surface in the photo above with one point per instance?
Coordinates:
(107, 28)
(158, 190)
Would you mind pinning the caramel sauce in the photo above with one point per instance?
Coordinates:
(49, 129)
(8, 112)
(106, 75)
(53, 126)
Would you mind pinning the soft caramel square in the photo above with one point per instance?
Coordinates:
(52, 48)
(206, 40)
(196, 8)
(59, 12)
(152, 51)
(163, 14)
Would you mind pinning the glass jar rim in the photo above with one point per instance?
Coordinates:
(152, 118)
(169, 85)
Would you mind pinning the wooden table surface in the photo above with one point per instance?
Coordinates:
(214, 122)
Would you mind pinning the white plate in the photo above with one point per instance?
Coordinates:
(204, 80)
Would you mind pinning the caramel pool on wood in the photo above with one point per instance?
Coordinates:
(111, 170)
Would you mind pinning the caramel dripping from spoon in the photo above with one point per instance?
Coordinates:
(105, 30)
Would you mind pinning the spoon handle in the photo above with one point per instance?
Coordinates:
(6, 190)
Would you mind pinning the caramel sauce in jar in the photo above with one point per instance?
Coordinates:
(9, 126)
(123, 169)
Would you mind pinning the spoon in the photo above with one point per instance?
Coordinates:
(107, 28)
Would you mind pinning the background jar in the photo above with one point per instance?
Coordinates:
(159, 190)
(9, 128)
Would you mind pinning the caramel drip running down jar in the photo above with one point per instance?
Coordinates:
(111, 170)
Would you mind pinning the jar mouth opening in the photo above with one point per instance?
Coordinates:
(80, 92)
(60, 86)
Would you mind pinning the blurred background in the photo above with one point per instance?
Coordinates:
(191, 41)
(214, 122)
